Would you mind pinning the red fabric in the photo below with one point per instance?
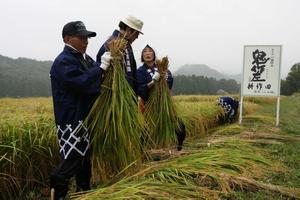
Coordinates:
(142, 105)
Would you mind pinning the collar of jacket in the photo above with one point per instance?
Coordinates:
(71, 50)
(85, 62)
(153, 68)
(116, 33)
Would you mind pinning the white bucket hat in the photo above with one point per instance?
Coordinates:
(133, 23)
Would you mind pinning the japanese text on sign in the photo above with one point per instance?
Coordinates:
(261, 70)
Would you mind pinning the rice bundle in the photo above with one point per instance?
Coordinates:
(160, 113)
(114, 121)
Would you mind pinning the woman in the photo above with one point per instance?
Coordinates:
(146, 75)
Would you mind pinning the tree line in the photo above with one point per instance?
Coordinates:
(292, 82)
(186, 85)
(24, 77)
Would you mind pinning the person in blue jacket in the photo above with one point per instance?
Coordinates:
(147, 74)
(230, 107)
(76, 81)
(129, 28)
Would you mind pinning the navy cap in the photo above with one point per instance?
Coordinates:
(77, 28)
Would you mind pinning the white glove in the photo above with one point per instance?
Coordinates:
(166, 76)
(105, 60)
(156, 76)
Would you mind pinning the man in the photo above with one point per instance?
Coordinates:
(230, 107)
(76, 81)
(130, 28)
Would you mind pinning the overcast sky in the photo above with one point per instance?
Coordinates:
(211, 32)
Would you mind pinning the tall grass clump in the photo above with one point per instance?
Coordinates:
(28, 146)
(114, 121)
(197, 98)
(160, 113)
(199, 117)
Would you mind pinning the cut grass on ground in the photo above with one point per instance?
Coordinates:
(253, 161)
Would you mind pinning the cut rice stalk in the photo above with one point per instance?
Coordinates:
(114, 121)
(160, 111)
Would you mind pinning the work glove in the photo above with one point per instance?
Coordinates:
(105, 60)
(156, 76)
(166, 76)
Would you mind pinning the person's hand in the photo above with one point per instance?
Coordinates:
(105, 60)
(156, 76)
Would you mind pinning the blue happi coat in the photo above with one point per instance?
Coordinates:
(144, 76)
(230, 106)
(75, 84)
(129, 63)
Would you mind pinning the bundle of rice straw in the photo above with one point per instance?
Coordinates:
(160, 113)
(115, 123)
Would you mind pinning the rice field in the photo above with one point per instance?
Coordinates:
(216, 160)
(28, 145)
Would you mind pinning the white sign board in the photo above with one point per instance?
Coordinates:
(261, 72)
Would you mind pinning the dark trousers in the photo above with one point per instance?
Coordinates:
(60, 177)
(180, 133)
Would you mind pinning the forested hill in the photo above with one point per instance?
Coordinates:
(206, 71)
(23, 77)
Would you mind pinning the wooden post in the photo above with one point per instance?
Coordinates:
(241, 110)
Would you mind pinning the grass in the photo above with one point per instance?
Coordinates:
(287, 148)
(287, 152)
(229, 168)
(28, 148)
(255, 160)
(289, 114)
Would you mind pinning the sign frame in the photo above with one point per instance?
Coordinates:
(277, 93)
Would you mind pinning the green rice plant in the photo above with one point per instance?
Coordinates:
(261, 100)
(199, 117)
(258, 119)
(114, 121)
(160, 113)
(250, 107)
(28, 146)
(27, 159)
(289, 113)
(199, 98)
